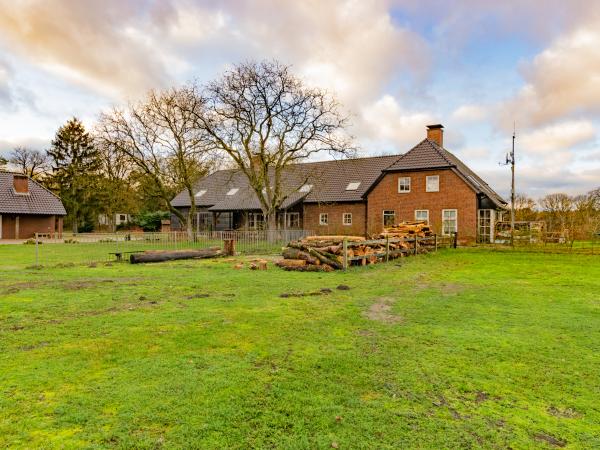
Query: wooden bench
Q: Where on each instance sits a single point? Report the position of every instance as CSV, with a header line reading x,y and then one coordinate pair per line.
x,y
119,255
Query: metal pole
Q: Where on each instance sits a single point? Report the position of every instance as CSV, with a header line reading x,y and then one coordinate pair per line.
x,y
512,192
37,257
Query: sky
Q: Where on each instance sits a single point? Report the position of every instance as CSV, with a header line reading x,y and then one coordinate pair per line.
x,y
479,67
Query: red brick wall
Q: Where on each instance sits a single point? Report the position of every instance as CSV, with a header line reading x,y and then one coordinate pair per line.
x,y
335,213
454,193
28,226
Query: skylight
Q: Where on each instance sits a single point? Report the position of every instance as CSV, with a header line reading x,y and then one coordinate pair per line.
x,y
306,188
233,191
353,186
201,193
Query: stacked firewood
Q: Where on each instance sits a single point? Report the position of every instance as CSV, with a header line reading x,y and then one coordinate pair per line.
x,y
407,230
326,253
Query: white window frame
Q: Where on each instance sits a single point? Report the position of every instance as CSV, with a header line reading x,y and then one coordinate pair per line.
x,y
345,216
401,183
288,219
432,177
389,212
324,216
255,220
420,211
455,222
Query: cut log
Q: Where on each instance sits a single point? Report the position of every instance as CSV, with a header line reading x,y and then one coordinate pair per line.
x,y
161,256
325,259
311,268
290,263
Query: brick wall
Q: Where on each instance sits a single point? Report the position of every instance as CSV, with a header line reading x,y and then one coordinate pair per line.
x,y
454,193
335,213
29,225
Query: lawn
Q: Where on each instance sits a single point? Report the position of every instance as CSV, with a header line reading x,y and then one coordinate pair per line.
x,y
463,348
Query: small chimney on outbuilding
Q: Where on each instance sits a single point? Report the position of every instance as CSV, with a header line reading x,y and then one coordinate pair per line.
x,y
436,134
20,184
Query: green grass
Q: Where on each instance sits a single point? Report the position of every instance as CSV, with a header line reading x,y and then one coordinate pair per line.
x,y
459,349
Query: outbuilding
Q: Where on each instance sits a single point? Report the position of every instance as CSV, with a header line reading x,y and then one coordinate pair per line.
x,y
26,208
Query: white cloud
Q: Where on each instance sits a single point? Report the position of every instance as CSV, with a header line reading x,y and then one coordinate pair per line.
x,y
561,81
558,137
469,113
386,121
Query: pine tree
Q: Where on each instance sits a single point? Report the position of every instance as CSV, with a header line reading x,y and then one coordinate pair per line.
x,y
75,165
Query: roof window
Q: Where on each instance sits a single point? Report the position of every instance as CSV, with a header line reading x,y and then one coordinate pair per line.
x,y
233,191
201,193
306,188
353,186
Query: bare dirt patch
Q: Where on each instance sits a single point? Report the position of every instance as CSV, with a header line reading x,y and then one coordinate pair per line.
x,y
555,442
87,283
381,311
566,413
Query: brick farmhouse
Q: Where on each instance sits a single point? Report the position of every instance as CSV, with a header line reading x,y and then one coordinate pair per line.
x,y
359,196
27,208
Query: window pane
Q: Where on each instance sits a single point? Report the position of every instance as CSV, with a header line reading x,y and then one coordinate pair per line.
x,y
389,218
432,183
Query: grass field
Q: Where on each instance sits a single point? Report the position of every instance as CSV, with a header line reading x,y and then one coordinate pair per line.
x,y
459,349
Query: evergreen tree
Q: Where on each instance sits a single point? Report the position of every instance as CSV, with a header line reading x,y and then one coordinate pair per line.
x,y
75,165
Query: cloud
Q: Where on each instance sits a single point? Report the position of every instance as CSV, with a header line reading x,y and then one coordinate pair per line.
x,y
561,81
387,122
561,136
87,42
469,113
6,94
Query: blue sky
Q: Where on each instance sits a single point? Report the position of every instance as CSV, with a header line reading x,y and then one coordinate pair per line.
x,y
475,66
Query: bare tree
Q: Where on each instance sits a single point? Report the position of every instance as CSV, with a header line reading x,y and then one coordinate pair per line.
x,y
525,208
159,137
558,209
32,163
266,119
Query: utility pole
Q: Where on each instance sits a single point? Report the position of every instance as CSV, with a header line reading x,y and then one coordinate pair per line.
x,y
511,159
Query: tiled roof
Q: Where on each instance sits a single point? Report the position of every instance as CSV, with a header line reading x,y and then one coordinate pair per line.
x,y
427,154
38,201
328,181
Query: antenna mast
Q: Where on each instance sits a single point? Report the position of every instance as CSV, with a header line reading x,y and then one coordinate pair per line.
x,y
512,189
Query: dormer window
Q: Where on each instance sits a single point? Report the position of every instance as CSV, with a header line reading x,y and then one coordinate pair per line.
x,y
353,186
233,191
306,188
201,193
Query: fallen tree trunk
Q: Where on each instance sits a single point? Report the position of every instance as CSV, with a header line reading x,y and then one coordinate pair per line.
x,y
291,263
161,256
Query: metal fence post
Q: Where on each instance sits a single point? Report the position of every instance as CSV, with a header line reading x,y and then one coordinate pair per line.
x,y
345,251
37,251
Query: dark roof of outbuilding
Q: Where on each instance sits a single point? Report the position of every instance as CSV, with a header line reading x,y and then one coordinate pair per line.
x,y
427,154
329,180
38,200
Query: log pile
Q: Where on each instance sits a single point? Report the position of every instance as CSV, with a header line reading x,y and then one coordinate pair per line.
x,y
407,230
326,253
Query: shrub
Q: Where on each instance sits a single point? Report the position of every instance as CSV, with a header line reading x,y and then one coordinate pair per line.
x,y
150,221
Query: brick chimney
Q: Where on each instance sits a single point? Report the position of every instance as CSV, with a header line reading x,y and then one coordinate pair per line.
x,y
21,184
436,134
